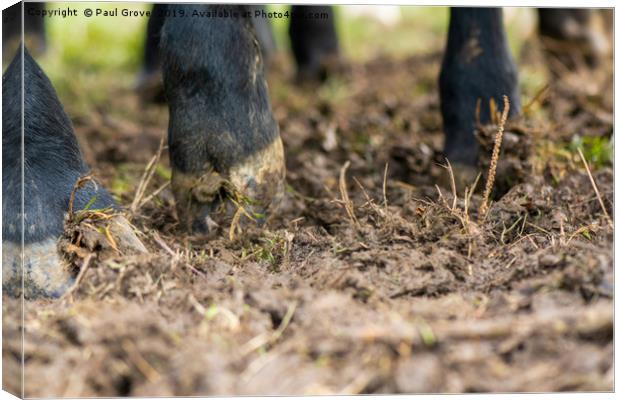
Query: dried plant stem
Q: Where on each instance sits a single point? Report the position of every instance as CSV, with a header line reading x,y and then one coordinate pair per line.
x,y
494,158
265,338
344,194
146,177
537,98
78,185
385,202
598,194
452,185
80,277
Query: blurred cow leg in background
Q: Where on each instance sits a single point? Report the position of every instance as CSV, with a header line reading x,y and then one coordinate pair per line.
x,y
149,84
34,29
314,41
572,38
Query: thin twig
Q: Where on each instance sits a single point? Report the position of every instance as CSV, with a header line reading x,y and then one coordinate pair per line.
x,y
139,361
452,185
263,339
146,178
385,202
163,244
79,184
155,193
478,102
80,277
468,194
598,194
348,204
535,99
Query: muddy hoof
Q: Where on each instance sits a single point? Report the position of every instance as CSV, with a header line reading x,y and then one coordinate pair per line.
x,y
225,148
216,201
34,209
44,274
44,269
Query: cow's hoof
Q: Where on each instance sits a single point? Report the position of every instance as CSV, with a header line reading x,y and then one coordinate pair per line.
x,y
38,271
248,192
55,183
44,270
224,143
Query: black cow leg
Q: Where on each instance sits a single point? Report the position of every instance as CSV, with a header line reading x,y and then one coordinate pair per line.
x,y
34,28
314,41
477,65
225,147
149,84
568,34
53,163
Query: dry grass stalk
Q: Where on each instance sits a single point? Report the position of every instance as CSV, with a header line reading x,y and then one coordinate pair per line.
x,y
598,194
468,193
482,211
139,361
80,277
538,97
145,179
79,184
267,339
443,199
478,102
344,194
385,202
152,195
452,185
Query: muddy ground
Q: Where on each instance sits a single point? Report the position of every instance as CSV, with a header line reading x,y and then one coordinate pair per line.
x,y
401,289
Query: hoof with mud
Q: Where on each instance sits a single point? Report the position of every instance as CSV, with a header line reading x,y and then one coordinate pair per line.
x,y
53,165
225,200
225,148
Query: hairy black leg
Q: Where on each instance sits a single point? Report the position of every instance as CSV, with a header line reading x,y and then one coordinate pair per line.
x,y
51,165
153,34
314,40
569,33
34,28
224,142
149,84
477,65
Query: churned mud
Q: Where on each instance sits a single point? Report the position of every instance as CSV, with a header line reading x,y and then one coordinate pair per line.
x,y
370,279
